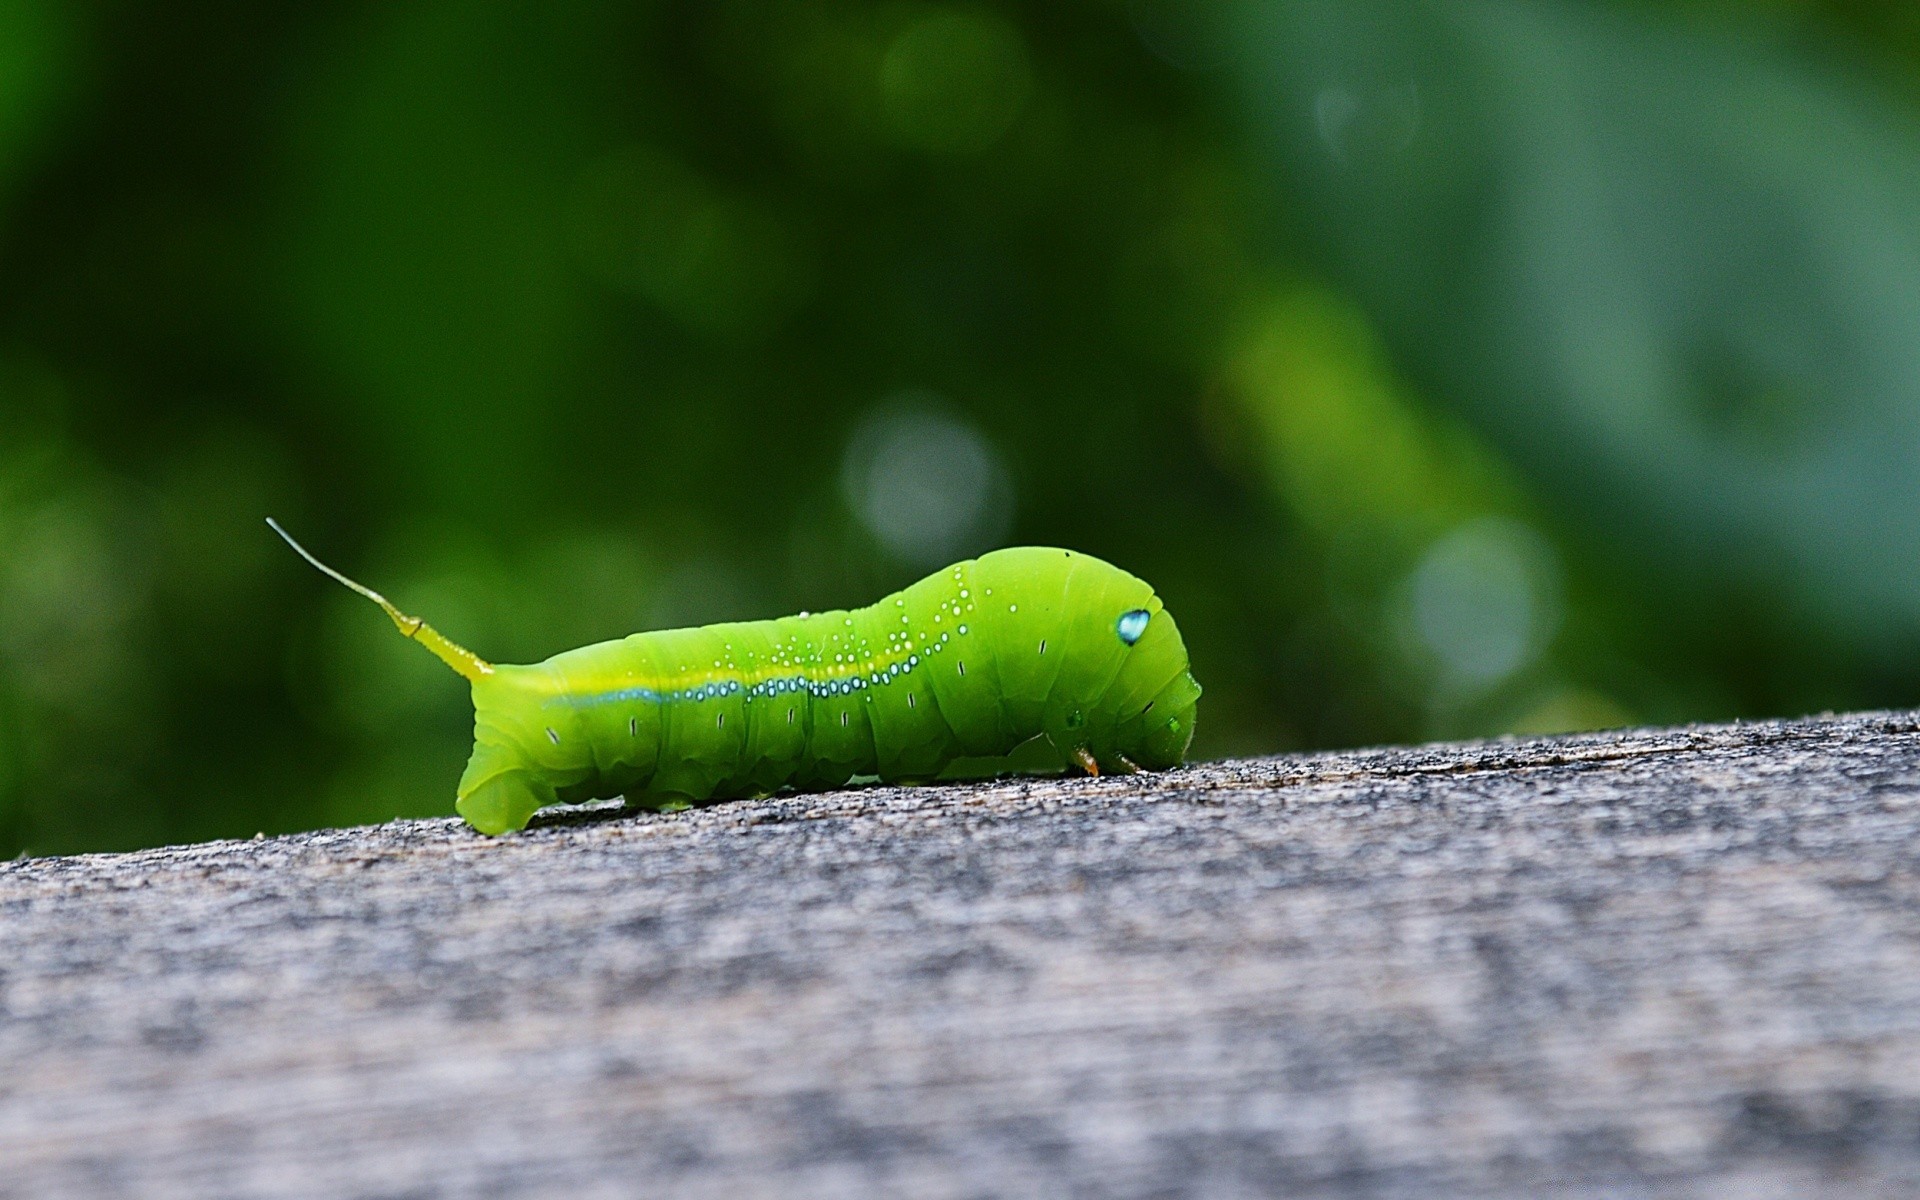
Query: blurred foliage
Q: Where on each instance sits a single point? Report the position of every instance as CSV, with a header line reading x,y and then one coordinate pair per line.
x,y
1451,368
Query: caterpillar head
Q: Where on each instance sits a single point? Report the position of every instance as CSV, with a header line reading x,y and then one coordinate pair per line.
x,y
1165,742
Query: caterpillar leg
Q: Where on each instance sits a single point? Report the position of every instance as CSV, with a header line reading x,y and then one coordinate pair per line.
x,y
503,803
661,802
1088,763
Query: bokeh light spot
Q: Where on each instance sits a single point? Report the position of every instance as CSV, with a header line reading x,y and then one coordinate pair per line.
x,y
1367,125
925,482
953,82
712,260
1484,600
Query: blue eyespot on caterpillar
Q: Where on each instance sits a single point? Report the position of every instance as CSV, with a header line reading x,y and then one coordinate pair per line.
x,y
678,717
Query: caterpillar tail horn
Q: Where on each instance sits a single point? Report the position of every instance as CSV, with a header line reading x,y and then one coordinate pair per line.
x,y
464,661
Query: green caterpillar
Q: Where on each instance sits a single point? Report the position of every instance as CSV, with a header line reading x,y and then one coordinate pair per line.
x,y
970,662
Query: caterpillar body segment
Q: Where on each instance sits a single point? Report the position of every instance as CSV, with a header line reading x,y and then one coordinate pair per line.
x,y
968,663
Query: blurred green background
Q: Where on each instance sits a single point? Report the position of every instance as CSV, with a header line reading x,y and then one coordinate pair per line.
x,y
1451,368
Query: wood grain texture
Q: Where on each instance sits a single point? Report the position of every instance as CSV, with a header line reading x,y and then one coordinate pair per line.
x,y
1654,963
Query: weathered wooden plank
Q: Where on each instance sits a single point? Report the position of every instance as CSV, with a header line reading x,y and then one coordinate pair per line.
x,y
1681,962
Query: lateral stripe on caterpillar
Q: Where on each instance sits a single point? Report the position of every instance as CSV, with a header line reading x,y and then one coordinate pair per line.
x,y
970,662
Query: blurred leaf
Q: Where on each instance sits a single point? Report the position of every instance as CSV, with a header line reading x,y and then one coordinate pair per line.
x,y
1431,553
1347,447
1672,270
